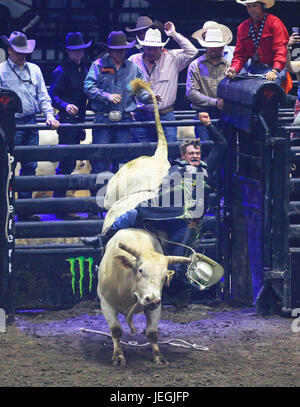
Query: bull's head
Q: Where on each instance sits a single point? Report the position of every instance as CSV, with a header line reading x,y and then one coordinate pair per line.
x,y
150,272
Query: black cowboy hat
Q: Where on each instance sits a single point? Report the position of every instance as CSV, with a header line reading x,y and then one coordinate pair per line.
x,y
75,41
117,40
142,23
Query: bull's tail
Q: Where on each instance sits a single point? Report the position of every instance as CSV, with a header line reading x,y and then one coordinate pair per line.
x,y
136,86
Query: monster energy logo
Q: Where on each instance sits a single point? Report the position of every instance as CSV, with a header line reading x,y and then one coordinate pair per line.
x,y
80,261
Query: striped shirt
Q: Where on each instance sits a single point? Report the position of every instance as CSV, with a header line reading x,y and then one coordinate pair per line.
x,y
164,76
29,85
202,81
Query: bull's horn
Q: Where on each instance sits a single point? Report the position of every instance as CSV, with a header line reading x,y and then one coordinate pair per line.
x,y
178,259
130,250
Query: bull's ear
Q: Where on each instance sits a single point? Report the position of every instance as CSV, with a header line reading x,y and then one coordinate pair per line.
x,y
169,276
123,261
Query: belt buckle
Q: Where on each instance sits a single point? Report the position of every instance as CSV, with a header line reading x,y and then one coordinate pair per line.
x,y
115,116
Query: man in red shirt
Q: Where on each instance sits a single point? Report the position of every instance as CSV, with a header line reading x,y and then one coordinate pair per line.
x,y
263,38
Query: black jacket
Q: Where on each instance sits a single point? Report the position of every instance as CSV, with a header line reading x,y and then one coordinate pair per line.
x,y
180,195
67,88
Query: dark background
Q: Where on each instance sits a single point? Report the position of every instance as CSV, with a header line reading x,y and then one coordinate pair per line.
x,y
97,18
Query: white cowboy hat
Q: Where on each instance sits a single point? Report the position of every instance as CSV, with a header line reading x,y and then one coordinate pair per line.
x,y
152,39
204,271
267,3
213,38
220,36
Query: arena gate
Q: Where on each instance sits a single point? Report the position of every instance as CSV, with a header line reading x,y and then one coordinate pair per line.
x,y
247,229
55,276
261,198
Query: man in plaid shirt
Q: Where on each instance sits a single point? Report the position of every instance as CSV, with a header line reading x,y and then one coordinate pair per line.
x,y
205,73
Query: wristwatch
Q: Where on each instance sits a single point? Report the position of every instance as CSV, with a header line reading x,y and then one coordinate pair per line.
x,y
276,69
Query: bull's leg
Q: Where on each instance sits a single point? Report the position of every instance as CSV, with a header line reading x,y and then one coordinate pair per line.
x,y
111,317
152,317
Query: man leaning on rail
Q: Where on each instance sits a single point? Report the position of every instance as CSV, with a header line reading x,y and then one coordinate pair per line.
x,y
26,79
205,73
106,85
66,91
161,67
262,38
294,67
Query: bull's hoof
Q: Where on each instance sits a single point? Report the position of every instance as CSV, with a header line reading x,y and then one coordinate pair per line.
x,y
119,360
159,360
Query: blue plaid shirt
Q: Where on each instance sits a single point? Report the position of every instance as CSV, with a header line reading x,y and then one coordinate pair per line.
x,y
104,79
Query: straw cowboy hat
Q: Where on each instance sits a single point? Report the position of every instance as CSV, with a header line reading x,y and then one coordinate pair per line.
x,y
213,34
153,39
117,40
19,42
75,41
204,271
142,23
267,3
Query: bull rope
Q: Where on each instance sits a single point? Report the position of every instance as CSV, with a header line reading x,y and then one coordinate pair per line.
x,y
173,342
194,255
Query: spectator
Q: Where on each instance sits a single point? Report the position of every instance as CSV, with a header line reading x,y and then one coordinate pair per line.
x,y
205,73
294,67
66,91
263,38
26,79
106,85
143,23
161,68
200,35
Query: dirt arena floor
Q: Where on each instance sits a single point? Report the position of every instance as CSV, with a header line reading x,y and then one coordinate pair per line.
x,y
48,349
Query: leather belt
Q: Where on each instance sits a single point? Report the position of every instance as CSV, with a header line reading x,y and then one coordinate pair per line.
x,y
107,114
161,111
166,110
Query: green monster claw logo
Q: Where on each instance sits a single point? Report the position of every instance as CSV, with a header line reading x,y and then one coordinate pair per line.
x,y
81,261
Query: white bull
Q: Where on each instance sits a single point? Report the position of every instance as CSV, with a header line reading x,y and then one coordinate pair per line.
x,y
131,276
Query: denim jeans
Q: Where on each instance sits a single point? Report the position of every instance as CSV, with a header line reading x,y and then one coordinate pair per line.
x,y
27,138
109,136
176,229
67,165
149,134
261,70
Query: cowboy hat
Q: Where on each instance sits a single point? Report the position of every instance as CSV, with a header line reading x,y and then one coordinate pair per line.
x,y
142,23
75,41
152,39
204,271
219,38
19,43
267,3
117,40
